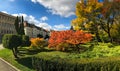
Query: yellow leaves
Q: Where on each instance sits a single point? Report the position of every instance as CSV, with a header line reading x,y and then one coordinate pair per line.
x,y
88,9
85,10
37,43
77,23
76,28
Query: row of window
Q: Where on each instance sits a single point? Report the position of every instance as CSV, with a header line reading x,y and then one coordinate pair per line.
x,y
5,18
6,26
7,32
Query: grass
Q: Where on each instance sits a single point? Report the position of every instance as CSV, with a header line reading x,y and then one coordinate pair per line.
x,y
24,63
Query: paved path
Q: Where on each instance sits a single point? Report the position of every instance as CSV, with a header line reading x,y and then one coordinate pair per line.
x,y
1,46
4,65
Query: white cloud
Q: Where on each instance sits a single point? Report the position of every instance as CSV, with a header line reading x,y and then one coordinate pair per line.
x,y
64,8
45,25
44,18
41,22
29,18
60,27
12,0
5,12
33,1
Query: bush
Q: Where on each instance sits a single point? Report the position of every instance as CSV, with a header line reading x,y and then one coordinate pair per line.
x,y
68,37
49,63
38,43
25,41
63,47
12,42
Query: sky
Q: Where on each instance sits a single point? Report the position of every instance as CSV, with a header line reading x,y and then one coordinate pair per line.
x,y
48,14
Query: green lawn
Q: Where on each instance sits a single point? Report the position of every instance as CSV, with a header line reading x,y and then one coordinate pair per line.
x,y
24,63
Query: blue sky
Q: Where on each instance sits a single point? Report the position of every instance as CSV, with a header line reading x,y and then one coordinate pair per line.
x,y
49,14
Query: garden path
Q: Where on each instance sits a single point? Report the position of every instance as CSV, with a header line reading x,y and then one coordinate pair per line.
x,y
1,46
4,65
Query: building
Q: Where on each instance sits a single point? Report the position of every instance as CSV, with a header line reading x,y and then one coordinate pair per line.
x,y
33,31
6,24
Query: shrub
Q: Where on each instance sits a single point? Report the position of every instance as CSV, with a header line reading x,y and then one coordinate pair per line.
x,y
12,42
25,40
49,63
63,46
38,43
69,37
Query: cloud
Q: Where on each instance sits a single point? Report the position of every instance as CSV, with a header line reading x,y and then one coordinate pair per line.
x,y
5,12
42,22
45,25
64,8
60,27
11,0
44,18
29,18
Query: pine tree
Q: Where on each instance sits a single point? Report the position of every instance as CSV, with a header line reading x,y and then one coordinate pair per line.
x,y
22,26
17,24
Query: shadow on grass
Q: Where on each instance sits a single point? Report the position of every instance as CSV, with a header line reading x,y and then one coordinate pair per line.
x,y
32,52
26,61
23,52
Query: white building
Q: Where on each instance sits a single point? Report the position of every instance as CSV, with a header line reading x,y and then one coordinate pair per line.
x,y
33,31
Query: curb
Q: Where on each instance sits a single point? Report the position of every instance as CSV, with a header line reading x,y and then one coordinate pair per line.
x,y
9,64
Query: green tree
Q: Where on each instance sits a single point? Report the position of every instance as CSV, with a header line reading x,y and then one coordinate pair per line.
x,y
17,24
22,27
12,42
87,12
109,12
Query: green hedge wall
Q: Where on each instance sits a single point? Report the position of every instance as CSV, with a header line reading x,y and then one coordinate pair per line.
x,y
48,63
11,41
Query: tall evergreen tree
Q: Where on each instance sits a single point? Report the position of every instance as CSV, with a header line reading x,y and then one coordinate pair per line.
x,y
22,26
17,24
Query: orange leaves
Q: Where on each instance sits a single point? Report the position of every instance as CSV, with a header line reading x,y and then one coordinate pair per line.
x,y
38,43
69,36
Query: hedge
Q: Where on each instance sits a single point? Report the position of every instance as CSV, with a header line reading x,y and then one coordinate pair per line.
x,y
49,63
25,41
11,41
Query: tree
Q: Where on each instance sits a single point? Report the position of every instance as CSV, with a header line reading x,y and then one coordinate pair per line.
x,y
69,37
110,11
17,24
22,27
12,42
97,16
87,12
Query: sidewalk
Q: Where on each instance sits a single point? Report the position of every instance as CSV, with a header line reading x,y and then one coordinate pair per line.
x,y
1,46
5,66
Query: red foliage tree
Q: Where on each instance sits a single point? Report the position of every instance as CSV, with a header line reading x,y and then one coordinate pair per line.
x,y
68,36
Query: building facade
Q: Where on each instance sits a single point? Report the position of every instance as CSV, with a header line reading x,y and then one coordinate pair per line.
x,y
6,24
33,31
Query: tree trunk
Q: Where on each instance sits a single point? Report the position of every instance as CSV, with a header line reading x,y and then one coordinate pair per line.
x,y
109,35
14,50
97,33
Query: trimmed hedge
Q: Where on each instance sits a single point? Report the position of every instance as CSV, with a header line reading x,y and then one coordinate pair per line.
x,y
49,63
25,41
11,41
